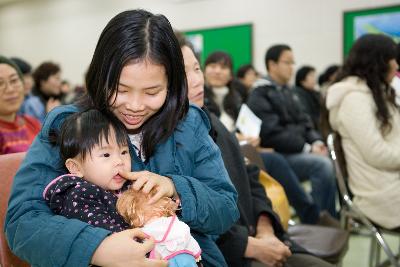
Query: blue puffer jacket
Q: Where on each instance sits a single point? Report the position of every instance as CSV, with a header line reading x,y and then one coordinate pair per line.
x,y
189,157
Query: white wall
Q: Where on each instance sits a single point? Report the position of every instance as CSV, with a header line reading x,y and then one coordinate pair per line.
x,y
66,31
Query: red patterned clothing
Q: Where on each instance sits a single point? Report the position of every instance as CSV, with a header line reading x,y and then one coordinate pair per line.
x,y
17,136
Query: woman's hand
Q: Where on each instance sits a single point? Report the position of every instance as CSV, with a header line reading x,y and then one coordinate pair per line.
x,y
267,249
122,249
319,148
253,141
146,181
265,246
52,103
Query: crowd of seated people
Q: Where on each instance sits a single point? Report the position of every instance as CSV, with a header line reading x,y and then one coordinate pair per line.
x,y
290,141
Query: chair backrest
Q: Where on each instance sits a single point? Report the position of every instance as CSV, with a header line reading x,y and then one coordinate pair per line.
x,y
337,156
252,155
9,165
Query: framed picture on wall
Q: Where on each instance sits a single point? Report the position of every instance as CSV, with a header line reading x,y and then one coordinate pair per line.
x,y
385,20
235,40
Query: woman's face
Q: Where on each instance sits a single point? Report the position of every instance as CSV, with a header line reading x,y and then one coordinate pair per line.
x,y
217,74
249,78
310,81
52,86
393,67
11,92
194,77
28,83
142,91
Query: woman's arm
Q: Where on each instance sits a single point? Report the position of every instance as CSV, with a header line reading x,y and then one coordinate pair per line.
x,y
41,238
207,195
121,250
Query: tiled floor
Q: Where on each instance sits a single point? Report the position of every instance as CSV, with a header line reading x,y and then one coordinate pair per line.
x,y
359,246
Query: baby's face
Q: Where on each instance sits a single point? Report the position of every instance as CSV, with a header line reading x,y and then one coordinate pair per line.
x,y
106,160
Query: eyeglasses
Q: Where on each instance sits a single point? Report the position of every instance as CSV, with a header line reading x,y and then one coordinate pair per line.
x,y
14,83
287,62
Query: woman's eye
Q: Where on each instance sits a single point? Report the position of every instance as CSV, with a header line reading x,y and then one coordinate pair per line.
x,y
124,152
152,93
106,155
14,81
121,91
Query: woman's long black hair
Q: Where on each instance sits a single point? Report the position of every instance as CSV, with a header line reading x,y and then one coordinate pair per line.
x,y
369,60
131,37
236,94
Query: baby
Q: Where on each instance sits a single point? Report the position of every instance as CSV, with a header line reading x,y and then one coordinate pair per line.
x,y
95,150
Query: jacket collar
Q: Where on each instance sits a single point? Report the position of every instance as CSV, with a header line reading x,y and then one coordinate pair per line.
x,y
56,117
338,91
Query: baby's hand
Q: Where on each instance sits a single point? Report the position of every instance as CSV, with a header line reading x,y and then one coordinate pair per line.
x,y
157,256
146,181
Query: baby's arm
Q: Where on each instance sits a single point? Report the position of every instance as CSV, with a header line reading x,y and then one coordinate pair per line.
x,y
75,198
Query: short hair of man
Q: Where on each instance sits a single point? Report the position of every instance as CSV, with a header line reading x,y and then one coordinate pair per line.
x,y
274,53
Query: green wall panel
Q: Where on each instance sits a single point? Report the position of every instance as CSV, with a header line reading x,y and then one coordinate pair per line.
x,y
236,40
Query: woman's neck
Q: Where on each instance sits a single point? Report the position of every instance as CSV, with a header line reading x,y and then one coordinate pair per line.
x,y
220,93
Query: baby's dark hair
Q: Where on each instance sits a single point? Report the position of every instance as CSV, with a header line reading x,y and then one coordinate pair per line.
x,y
83,130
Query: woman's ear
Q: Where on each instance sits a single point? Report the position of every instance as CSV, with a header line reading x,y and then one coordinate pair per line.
x,y
74,167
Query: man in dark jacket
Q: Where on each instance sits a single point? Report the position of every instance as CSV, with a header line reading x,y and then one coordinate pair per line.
x,y
288,130
258,235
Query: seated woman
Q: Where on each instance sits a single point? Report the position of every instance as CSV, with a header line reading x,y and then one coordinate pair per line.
x,y
46,93
310,98
222,95
326,79
16,131
247,75
363,111
137,74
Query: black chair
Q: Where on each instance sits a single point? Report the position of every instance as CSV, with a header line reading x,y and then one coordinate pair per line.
x,y
327,243
351,216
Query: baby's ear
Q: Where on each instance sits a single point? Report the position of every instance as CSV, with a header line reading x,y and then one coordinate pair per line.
x,y
74,167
